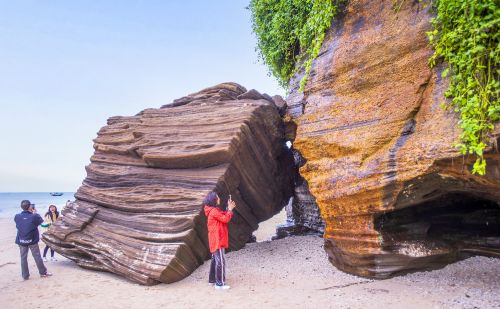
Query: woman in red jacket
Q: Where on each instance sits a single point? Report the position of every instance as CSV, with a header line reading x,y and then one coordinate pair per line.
x,y
218,237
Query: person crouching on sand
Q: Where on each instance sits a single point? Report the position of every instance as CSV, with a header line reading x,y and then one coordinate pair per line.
x,y
50,217
27,238
218,237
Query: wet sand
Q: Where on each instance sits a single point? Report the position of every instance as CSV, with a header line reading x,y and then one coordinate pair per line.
x,y
287,273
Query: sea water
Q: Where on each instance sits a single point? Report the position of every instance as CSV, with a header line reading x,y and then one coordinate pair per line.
x,y
10,203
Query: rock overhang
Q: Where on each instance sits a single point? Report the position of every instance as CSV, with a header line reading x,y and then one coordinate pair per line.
x,y
375,140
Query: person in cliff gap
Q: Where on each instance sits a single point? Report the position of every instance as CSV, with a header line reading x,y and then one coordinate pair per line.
x,y
49,219
27,238
217,222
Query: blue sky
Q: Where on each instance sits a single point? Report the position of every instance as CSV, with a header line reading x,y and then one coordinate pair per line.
x,y
67,66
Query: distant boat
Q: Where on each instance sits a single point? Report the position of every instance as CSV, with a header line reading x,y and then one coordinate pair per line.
x,y
56,193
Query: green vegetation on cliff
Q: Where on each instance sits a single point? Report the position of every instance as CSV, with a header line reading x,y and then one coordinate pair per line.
x,y
290,32
466,35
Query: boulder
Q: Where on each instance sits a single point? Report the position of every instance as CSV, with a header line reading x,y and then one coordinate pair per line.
x,y
252,94
379,151
139,211
280,104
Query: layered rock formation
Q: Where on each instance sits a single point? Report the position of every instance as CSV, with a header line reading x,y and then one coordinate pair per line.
x,y
380,161
139,211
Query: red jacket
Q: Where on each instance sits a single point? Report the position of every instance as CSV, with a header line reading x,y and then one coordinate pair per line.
x,y
217,227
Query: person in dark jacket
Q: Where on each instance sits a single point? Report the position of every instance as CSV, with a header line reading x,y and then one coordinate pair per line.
x,y
27,238
218,237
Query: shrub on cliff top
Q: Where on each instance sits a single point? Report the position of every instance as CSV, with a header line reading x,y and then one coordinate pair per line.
x,y
290,32
466,34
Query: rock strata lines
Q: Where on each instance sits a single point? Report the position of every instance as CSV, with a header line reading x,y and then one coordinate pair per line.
x,y
379,151
139,213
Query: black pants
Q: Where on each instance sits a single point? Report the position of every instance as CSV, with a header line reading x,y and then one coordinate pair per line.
x,y
218,268
46,250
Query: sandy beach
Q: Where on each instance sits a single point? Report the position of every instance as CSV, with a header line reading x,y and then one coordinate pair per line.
x,y
289,273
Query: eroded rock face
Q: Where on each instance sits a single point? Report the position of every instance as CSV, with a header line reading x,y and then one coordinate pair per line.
x,y
380,162
304,210
139,211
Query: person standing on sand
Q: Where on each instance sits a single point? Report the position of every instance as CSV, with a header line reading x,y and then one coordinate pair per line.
x,y
218,237
50,218
27,238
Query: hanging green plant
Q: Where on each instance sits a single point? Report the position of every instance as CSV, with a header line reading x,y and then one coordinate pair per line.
x,y
466,35
290,32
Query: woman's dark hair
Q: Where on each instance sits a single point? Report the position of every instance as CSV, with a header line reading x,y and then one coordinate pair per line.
x,y
50,214
211,199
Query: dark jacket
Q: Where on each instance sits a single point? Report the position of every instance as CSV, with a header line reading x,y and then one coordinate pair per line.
x,y
27,228
217,227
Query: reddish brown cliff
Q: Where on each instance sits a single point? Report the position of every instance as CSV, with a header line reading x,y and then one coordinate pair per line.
x,y
139,211
393,191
